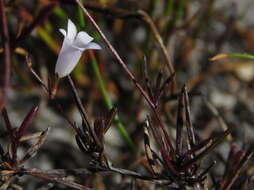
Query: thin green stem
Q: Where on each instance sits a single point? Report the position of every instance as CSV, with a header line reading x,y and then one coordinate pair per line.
x,y
101,83
180,11
169,8
81,17
241,56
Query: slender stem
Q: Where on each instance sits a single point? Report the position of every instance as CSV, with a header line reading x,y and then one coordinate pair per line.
x,y
169,8
82,110
37,173
164,130
81,17
61,173
102,86
241,56
5,78
130,75
78,101
157,36
36,76
139,14
101,83
112,49
180,11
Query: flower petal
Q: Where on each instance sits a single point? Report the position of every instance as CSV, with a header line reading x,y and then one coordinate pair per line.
x,y
72,48
71,30
67,60
62,31
82,40
93,45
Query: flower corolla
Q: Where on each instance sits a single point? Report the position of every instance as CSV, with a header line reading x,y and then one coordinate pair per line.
x,y
74,45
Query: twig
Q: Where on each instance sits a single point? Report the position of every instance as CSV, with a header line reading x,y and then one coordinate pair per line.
x,y
141,15
78,101
130,174
28,62
213,142
59,180
60,172
130,75
83,111
247,156
125,68
112,49
57,175
145,17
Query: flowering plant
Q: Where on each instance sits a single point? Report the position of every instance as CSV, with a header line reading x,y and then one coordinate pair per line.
x,y
74,45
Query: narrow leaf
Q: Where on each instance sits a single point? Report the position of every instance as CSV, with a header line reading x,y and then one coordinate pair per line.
x,y
233,178
32,150
214,143
27,121
157,84
149,153
180,124
109,118
189,126
165,154
232,55
219,56
8,124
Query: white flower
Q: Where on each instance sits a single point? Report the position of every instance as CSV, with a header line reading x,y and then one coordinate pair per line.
x,y
73,46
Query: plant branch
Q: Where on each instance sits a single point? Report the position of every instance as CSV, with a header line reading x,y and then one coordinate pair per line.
x,y
125,68
78,101
119,59
54,178
141,15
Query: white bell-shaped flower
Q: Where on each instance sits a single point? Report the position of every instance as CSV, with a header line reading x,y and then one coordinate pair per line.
x,y
73,46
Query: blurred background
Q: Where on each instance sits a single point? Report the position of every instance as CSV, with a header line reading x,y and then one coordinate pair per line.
x,y
191,33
